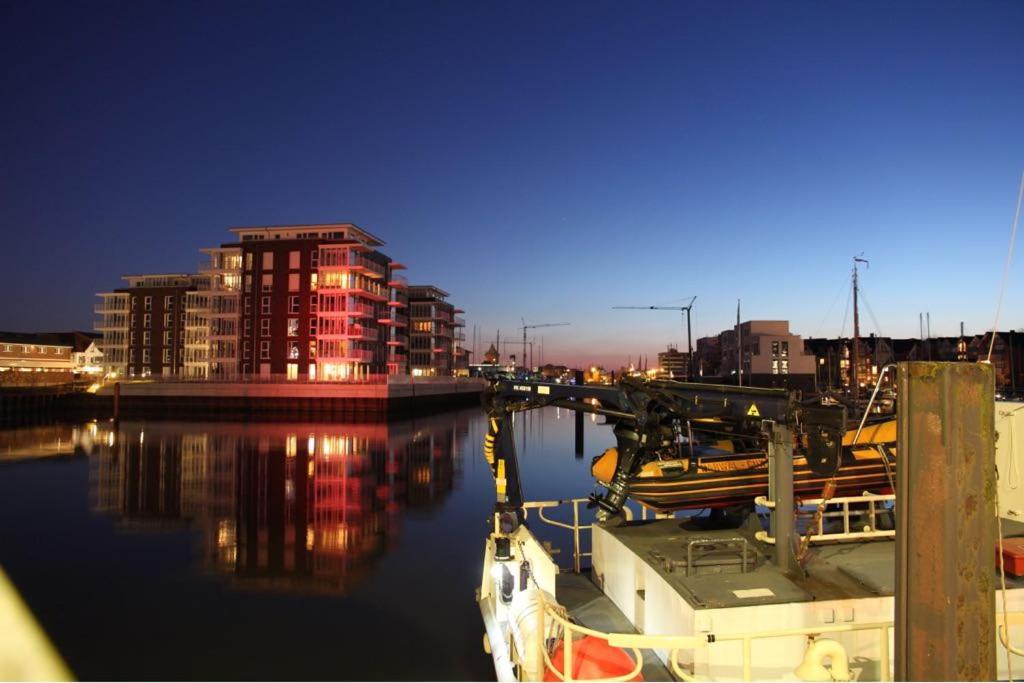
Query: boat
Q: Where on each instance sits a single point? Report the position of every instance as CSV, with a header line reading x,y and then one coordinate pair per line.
x,y
719,475
653,592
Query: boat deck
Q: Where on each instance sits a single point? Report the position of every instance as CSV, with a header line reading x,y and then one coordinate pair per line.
x,y
834,572
593,609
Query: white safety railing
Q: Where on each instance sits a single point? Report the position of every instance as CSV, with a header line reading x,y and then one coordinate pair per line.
x,y
875,506
637,643
575,527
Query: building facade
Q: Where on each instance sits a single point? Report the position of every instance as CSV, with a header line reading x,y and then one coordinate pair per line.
x,y
291,303
436,333
674,364
143,325
770,354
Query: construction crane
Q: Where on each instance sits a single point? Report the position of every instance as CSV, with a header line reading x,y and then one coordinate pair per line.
x,y
526,327
685,310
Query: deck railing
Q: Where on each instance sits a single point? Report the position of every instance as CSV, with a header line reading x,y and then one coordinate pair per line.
x,y
875,506
637,643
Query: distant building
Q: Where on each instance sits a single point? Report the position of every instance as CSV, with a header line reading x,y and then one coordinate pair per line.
x,y
435,333
46,358
771,356
302,302
674,364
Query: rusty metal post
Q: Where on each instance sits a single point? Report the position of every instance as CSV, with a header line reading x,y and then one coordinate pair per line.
x,y
945,527
782,521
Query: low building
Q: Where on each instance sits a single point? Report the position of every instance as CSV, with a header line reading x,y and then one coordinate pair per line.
x,y
45,358
833,357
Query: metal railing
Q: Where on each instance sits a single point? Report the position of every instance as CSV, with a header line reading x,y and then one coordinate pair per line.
x,y
875,506
638,642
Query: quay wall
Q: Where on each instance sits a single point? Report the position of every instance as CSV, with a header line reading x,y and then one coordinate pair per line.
x,y
270,400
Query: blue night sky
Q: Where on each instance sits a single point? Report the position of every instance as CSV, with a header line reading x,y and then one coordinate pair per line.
x,y
538,160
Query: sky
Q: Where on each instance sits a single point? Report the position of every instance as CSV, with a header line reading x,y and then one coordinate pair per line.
x,y
541,161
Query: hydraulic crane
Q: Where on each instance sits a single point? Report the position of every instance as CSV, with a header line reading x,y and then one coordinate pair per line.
x,y
685,310
526,327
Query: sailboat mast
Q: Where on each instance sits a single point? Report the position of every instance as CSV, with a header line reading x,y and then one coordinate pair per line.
x,y
855,359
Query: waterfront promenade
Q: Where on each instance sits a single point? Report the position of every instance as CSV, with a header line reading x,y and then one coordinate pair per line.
x,y
374,396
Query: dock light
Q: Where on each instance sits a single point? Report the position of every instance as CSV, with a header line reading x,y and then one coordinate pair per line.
x,y
502,549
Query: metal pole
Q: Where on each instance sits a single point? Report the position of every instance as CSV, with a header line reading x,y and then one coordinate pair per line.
x,y
945,529
689,345
855,385
117,401
579,433
780,483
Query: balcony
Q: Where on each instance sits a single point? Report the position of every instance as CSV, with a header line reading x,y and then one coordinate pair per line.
x,y
398,281
459,321
110,307
104,324
347,259
357,355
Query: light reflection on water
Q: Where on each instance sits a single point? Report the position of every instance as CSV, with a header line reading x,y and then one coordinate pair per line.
x,y
184,550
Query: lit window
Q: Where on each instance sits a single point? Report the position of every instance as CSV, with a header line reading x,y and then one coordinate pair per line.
x,y
293,350
293,327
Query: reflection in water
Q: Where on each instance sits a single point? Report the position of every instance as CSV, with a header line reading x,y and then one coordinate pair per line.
x,y
304,507
23,443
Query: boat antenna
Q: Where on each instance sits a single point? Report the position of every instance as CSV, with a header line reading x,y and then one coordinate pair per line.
x,y
1006,268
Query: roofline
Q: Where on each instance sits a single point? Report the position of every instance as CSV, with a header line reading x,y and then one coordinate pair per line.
x,y
268,228
443,293
128,277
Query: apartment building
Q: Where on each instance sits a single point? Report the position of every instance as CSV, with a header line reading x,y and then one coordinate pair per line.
x,y
319,302
300,302
143,325
674,364
771,355
436,333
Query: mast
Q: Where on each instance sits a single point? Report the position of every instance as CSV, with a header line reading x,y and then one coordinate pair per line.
x,y
855,356
739,345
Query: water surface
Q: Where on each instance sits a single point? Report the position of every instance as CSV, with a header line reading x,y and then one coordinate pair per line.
x,y
186,550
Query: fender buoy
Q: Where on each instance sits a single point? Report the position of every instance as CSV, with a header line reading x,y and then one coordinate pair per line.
x,y
593,659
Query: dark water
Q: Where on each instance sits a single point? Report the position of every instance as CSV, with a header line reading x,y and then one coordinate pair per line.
x,y
287,551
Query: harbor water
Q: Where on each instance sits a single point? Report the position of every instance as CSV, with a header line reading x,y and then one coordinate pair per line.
x,y
286,551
